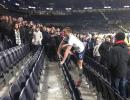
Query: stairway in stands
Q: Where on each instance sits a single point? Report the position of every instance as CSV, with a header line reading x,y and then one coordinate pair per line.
x,y
53,83
87,91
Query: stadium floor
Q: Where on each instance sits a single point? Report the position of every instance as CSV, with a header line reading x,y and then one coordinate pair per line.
x,y
53,82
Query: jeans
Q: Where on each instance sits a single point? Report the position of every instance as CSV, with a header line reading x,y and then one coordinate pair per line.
x,y
119,84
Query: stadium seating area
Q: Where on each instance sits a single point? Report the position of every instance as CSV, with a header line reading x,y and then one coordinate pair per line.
x,y
9,60
26,85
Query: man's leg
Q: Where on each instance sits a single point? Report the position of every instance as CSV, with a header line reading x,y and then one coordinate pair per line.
x,y
122,87
115,83
80,57
80,72
80,65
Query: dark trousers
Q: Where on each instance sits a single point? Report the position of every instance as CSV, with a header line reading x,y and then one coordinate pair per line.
x,y
35,48
119,84
97,58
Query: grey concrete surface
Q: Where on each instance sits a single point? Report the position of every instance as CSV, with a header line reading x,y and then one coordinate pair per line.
x,y
53,84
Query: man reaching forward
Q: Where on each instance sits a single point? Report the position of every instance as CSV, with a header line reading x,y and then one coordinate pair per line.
x,y
78,46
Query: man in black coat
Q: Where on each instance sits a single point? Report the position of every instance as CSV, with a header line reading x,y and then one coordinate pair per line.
x,y
104,50
118,63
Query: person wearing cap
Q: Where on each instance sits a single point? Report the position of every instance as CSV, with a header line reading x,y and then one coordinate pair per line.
x,y
118,64
78,46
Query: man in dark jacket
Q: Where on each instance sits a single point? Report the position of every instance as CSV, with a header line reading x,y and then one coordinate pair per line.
x,y
118,63
104,50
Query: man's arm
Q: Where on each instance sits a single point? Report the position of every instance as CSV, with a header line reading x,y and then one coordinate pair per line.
x,y
64,45
67,51
59,48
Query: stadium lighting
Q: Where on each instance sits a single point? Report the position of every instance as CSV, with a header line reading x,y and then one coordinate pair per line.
x,y
49,8
17,4
107,7
31,7
127,6
68,8
87,8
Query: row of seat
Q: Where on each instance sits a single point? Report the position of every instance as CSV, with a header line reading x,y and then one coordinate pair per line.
x,y
25,86
102,86
100,69
75,93
10,58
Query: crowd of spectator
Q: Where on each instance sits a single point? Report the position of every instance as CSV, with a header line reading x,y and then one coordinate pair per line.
x,y
111,51
17,31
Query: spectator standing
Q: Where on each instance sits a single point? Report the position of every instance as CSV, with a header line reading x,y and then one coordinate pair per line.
x,y
96,53
17,34
104,50
37,38
118,63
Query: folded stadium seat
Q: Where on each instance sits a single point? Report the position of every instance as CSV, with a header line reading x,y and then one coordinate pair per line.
x,y
4,71
31,64
23,95
3,65
111,93
37,69
33,84
29,91
10,54
20,52
6,98
26,72
7,60
73,89
18,55
103,87
106,74
98,85
77,94
94,79
35,77
21,81
14,91
15,54
13,61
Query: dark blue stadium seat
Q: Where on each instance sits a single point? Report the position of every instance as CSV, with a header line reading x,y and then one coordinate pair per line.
x,y
7,60
35,77
23,95
14,91
29,91
21,81
32,83
3,65
26,72
6,98
15,55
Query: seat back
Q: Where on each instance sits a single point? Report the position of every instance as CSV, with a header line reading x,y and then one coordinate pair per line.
x,y
21,81
32,83
23,95
29,91
6,98
14,91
